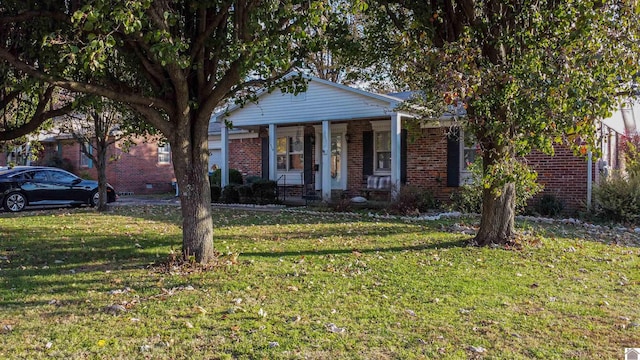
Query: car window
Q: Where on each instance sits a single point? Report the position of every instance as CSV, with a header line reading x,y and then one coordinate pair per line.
x,y
60,176
39,176
27,175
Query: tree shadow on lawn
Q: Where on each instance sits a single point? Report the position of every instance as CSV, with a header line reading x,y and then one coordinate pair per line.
x,y
427,246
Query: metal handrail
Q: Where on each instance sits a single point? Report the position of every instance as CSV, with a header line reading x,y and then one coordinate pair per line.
x,y
284,191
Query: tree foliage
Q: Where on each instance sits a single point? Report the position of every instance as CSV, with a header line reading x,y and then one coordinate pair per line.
x,y
173,62
529,74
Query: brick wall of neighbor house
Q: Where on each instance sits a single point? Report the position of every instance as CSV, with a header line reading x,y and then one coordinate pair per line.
x,y
564,176
136,171
245,155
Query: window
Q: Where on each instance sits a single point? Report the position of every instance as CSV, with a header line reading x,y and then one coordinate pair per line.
x,y
382,146
290,151
85,161
468,153
61,176
164,153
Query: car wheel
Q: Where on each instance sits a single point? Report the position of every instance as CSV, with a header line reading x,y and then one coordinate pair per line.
x,y
15,202
95,198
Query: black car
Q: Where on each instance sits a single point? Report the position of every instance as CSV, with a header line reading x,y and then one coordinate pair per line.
x,y
23,186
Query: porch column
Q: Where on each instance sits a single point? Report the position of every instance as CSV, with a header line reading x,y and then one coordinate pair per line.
x,y
396,136
224,153
273,162
326,161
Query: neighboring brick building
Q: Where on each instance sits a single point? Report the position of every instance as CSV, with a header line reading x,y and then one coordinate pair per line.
x,y
145,169
283,140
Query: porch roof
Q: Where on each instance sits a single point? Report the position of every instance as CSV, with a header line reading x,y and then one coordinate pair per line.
x,y
323,100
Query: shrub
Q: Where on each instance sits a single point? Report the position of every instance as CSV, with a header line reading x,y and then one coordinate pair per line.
x,y
215,193
252,179
413,200
235,177
245,193
342,205
264,191
549,205
617,198
230,194
469,198
57,161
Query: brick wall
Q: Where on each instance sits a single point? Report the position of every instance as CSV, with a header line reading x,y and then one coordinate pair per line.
x,y
136,171
564,175
245,155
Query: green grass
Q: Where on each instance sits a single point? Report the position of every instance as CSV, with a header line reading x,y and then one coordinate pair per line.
x,y
398,290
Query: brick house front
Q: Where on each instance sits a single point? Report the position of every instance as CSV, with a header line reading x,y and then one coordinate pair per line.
x,y
332,139
146,168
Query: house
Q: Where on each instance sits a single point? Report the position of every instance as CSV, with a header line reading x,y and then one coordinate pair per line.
x,y
146,168
334,140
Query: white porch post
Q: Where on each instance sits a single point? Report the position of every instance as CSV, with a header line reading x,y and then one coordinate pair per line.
x,y
396,132
224,153
326,161
273,164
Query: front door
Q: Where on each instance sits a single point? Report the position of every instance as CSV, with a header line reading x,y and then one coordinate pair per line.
x,y
336,161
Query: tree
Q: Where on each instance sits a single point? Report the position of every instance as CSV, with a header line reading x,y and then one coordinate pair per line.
x,y
529,73
98,124
173,62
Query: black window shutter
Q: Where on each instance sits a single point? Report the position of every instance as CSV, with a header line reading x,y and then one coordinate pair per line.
x,y
308,163
367,153
265,158
453,158
403,156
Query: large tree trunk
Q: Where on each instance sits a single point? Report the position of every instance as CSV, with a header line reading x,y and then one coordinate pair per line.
x,y
498,213
190,163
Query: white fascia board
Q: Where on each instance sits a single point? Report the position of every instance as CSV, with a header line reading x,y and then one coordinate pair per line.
x,y
215,141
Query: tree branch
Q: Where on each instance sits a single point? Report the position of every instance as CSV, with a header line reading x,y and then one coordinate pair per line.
x,y
125,97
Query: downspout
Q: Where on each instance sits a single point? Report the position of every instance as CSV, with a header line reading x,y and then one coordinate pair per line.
x,y
589,179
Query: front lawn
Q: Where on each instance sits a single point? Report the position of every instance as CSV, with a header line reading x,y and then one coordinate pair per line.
x,y
77,284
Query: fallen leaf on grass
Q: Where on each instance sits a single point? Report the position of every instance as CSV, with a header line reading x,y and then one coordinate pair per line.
x,y
335,329
477,349
115,309
199,309
410,312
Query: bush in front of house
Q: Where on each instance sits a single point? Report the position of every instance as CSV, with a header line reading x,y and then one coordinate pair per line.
x,y
549,205
469,198
235,177
230,194
215,193
412,200
252,179
245,193
617,198
264,191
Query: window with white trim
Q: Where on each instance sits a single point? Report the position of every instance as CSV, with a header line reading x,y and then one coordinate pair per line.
x,y
164,153
468,153
382,151
381,146
85,161
290,151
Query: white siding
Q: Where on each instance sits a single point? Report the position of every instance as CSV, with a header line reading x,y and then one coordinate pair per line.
x,y
320,102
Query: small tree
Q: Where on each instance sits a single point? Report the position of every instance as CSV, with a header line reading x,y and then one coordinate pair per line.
x,y
102,124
